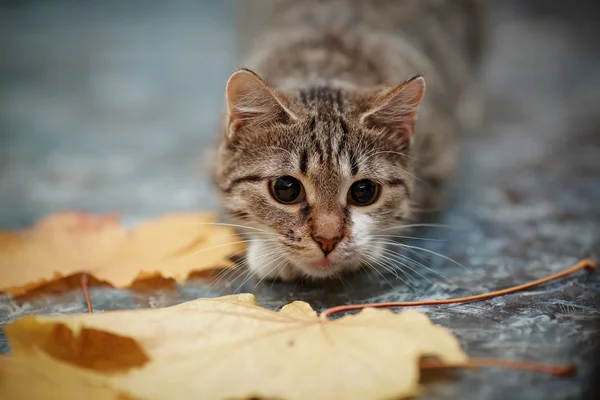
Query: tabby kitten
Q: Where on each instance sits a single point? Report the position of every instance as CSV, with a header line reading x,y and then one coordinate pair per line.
x,y
321,148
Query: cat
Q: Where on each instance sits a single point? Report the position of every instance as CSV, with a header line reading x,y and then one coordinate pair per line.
x,y
328,138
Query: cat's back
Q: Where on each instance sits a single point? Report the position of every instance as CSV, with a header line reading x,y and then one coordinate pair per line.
x,y
449,32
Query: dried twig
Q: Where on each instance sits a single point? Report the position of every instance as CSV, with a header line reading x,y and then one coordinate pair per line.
x,y
566,370
584,264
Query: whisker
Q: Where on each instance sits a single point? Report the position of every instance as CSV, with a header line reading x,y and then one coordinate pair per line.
x,y
253,233
376,270
227,273
432,252
228,244
276,278
364,271
411,265
263,257
272,269
238,265
409,238
395,243
391,269
406,265
394,262
408,259
277,260
417,226
390,242
340,278
297,282
231,225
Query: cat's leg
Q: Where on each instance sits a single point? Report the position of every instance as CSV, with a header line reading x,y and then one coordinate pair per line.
x,y
267,262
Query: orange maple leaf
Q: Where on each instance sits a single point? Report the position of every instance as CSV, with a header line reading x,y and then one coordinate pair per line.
x,y
66,244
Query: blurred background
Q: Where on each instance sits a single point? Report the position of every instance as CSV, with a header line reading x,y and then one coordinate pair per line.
x,y
109,105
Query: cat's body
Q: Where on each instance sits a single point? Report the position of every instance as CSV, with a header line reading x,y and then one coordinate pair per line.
x,y
328,112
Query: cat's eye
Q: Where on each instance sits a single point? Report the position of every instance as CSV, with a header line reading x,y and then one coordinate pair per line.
x,y
363,192
287,190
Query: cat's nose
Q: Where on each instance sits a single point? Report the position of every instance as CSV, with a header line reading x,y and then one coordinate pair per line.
x,y
327,245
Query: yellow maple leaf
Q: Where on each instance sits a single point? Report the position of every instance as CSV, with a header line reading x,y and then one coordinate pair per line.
x,y
66,244
230,347
40,377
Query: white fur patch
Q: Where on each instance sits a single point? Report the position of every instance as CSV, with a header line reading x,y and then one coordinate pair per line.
x,y
267,261
362,226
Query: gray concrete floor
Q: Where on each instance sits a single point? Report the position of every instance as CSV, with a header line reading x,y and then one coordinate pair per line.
x,y
107,106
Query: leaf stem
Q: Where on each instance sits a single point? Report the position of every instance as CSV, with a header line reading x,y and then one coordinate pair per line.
x,y
565,370
584,264
86,293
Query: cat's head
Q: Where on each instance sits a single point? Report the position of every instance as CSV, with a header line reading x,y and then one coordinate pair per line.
x,y
321,169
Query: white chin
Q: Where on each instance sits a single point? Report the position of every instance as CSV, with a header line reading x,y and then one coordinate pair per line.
x,y
266,263
334,270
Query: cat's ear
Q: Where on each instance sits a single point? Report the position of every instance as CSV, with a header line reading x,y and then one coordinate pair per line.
x,y
252,103
394,112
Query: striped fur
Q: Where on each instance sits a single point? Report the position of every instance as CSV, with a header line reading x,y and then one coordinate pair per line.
x,y
332,95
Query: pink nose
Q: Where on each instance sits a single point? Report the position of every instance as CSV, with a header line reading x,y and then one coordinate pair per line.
x,y
327,245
